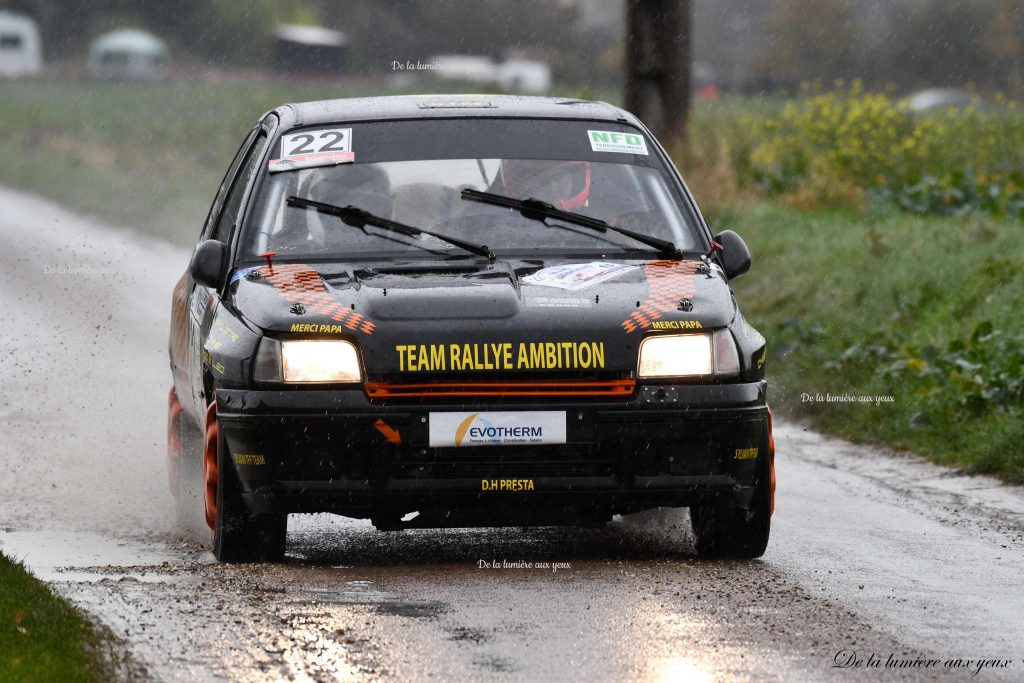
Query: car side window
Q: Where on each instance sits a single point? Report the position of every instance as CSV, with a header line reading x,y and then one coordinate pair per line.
x,y
222,189
233,201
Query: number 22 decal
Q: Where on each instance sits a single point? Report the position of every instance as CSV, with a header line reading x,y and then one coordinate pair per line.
x,y
315,141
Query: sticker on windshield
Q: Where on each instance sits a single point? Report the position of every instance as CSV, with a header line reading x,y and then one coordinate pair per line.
x,y
575,276
326,147
558,302
612,141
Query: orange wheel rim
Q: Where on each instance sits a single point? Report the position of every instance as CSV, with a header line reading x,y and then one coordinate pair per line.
x,y
210,466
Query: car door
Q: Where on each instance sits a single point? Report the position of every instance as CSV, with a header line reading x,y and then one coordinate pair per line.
x,y
202,301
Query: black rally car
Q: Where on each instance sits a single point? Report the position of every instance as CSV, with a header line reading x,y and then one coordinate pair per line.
x,y
463,311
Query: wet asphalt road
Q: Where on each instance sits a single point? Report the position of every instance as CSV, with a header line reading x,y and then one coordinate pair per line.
x,y
872,553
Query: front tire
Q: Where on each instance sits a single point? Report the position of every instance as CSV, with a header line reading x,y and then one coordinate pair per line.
x,y
734,531
238,534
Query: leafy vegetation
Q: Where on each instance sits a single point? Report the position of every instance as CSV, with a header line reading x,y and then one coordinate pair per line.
x,y
850,148
838,145
880,304
43,638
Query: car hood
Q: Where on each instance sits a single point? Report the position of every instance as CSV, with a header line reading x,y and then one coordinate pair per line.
x,y
516,318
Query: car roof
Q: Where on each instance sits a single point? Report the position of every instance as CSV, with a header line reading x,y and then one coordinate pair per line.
x,y
448,106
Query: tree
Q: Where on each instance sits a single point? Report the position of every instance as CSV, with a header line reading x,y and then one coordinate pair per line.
x,y
1008,42
809,40
658,65
941,43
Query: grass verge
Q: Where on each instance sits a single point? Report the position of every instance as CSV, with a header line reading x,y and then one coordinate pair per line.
x,y
42,637
925,310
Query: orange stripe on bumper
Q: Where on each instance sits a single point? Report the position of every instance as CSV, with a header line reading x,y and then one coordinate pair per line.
x,y
617,387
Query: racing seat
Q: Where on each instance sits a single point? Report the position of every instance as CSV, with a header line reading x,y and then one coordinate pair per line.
x,y
424,204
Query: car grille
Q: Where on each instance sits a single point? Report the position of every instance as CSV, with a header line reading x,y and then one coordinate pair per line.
x,y
488,462
620,388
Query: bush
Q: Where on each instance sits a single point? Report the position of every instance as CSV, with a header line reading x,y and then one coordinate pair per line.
x,y
847,148
977,375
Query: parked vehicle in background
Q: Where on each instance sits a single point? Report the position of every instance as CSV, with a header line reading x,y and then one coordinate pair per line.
x,y
937,99
21,52
524,76
128,54
309,48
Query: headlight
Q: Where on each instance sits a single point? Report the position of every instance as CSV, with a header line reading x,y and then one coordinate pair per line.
x,y
307,361
688,355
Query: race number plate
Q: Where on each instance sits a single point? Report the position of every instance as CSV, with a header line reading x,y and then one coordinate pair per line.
x,y
325,147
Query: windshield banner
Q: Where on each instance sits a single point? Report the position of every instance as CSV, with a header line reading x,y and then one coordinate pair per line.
x,y
575,276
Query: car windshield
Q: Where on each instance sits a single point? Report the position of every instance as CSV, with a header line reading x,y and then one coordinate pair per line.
x,y
413,172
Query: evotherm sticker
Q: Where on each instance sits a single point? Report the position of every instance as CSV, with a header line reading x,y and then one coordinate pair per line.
x,y
612,141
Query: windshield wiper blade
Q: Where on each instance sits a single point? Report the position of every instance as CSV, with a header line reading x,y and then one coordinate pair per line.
x,y
538,210
359,218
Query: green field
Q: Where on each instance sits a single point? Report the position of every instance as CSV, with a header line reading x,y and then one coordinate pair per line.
x,y
145,155
857,301
43,638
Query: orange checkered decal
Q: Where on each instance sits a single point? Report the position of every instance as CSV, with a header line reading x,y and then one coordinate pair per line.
x,y
299,284
667,283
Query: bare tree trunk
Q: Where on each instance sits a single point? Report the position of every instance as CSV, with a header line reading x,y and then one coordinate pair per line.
x,y
1006,38
1017,60
658,65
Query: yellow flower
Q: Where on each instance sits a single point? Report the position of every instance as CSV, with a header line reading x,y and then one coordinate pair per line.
x,y
916,364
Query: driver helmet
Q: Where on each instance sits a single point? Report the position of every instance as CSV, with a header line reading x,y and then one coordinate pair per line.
x,y
566,184
366,187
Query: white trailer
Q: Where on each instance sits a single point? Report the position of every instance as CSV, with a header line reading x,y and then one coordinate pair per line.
x,y
21,52
129,54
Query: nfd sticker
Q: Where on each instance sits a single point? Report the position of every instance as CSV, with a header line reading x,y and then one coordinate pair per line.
x,y
613,141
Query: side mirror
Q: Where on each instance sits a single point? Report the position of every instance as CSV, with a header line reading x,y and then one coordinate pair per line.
x,y
208,263
735,255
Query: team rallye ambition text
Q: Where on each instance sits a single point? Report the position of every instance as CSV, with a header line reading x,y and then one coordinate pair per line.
x,y
502,356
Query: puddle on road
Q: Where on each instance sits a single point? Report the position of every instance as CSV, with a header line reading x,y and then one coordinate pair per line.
x,y
84,557
105,575
353,593
364,593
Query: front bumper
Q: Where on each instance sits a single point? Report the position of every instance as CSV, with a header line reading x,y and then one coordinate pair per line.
x,y
325,451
